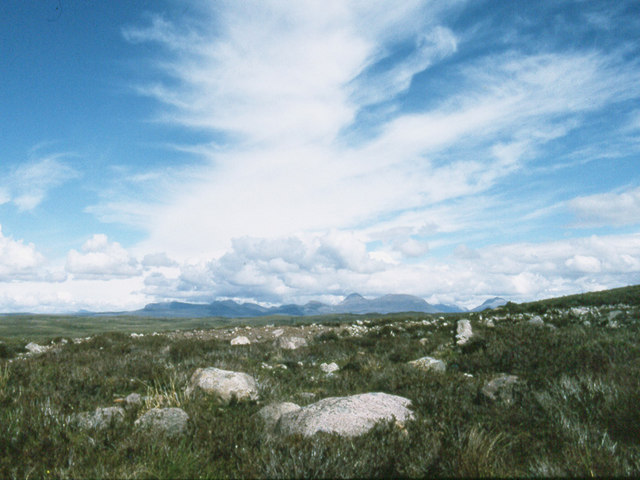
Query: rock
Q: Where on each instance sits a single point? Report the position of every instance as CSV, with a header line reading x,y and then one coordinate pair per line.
x,y
272,413
165,421
133,399
346,416
99,420
429,363
329,368
278,332
35,348
424,341
463,331
537,321
224,385
614,314
290,343
241,340
502,388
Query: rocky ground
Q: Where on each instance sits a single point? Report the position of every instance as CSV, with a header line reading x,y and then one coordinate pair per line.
x,y
550,391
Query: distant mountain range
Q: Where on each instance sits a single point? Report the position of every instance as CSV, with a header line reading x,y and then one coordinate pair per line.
x,y
490,304
354,303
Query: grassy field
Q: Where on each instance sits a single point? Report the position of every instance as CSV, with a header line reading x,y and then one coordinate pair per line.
x,y
576,413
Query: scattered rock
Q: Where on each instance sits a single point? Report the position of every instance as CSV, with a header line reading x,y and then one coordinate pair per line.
x,y
166,421
537,321
278,332
502,388
424,341
329,368
133,399
429,363
272,413
241,340
34,348
290,343
463,332
347,416
614,314
224,385
99,420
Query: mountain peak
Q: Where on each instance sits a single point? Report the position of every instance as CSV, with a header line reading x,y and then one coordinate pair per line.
x,y
354,296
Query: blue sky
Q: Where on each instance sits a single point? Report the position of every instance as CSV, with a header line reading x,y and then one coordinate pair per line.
x,y
277,151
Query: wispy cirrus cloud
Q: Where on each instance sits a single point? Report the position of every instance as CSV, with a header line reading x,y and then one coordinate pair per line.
x,y
27,185
291,96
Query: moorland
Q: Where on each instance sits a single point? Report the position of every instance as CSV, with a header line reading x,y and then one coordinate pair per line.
x,y
573,410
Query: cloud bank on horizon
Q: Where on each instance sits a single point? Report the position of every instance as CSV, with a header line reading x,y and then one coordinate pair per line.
x,y
279,152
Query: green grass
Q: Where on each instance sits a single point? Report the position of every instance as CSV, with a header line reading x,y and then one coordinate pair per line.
x,y
576,413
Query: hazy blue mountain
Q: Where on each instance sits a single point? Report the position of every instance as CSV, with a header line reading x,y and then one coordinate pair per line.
x,y
354,303
491,303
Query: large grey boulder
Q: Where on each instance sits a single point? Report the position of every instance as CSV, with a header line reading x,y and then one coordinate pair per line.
x,y
463,331
346,416
502,389
170,422
101,419
224,385
272,413
429,363
290,343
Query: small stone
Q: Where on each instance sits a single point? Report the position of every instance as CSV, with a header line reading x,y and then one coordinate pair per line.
x,y
329,368
429,363
101,419
133,399
35,348
225,385
240,340
167,421
278,332
536,321
290,343
272,413
501,388
614,314
463,332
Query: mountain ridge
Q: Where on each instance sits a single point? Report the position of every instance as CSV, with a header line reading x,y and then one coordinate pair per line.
x,y
353,303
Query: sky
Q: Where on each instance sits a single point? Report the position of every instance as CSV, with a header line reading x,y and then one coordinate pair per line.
x,y
285,151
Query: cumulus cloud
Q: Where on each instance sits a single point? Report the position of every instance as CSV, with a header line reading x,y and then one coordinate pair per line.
x,y
18,260
102,259
299,269
611,208
157,260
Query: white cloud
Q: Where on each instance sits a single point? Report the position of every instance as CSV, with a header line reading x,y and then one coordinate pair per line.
x,y
27,185
18,260
284,85
611,208
157,260
101,259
